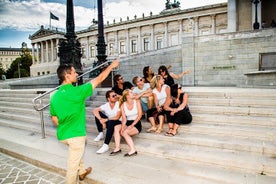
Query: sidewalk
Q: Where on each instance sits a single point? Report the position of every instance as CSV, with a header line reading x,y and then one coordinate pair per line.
x,y
13,170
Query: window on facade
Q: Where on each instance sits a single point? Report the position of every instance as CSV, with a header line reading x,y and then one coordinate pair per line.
x,y
43,73
174,40
146,44
48,72
159,43
38,73
83,52
111,48
133,46
267,61
122,47
92,51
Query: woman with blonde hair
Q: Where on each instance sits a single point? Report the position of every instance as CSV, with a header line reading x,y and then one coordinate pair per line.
x,y
131,114
160,92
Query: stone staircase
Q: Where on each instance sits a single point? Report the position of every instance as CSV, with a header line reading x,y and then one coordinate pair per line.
x,y
232,139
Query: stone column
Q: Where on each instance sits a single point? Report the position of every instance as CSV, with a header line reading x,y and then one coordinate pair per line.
x,y
195,26
56,50
139,46
116,44
152,37
180,31
213,17
52,50
42,52
47,51
37,53
232,16
127,42
166,34
88,55
33,54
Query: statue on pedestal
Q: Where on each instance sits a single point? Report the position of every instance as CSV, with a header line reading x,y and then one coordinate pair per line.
x,y
175,4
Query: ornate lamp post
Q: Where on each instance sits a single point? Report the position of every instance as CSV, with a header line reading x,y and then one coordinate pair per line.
x,y
101,46
69,49
256,24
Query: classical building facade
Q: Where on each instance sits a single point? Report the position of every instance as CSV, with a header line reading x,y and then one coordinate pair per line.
x,y
132,36
8,55
178,37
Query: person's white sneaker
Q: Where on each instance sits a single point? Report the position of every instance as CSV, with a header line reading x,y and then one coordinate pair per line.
x,y
99,137
103,149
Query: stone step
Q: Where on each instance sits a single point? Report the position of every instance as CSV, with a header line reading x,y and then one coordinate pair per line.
x,y
187,139
230,92
244,111
236,131
215,127
151,169
231,102
231,132
261,121
219,129
27,105
16,99
191,135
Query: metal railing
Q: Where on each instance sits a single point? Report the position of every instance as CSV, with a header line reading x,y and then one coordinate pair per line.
x,y
38,101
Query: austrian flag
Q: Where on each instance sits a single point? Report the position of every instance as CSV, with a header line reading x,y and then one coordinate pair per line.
x,y
52,16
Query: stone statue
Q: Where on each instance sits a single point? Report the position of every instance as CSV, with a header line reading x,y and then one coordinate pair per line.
x,y
169,5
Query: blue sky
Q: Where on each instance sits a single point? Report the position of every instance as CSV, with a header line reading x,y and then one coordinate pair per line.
x,y
21,18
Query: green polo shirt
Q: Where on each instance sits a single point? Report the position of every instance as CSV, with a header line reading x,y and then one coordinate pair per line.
x,y
68,104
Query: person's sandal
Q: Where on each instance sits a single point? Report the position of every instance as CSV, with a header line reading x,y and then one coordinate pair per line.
x,y
152,129
168,132
158,131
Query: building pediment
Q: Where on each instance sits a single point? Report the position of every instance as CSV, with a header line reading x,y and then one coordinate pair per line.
x,y
42,32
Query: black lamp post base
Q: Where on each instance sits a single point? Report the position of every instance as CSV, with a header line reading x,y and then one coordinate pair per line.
x,y
256,25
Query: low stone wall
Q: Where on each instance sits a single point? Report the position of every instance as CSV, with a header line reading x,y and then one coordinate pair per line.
x,y
223,59
45,81
261,79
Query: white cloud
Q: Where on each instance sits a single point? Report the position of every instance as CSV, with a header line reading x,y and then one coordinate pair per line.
x,y
29,15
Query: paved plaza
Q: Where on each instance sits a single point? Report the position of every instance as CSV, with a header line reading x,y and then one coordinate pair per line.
x,y
16,171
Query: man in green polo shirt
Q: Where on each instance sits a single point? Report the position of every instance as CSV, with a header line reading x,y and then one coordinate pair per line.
x,y
67,108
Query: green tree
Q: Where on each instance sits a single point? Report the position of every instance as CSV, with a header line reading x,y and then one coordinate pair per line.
x,y
2,71
20,67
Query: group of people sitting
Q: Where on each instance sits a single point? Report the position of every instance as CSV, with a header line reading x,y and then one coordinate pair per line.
x,y
154,96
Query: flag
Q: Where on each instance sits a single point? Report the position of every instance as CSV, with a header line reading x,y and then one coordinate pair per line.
x,y
52,16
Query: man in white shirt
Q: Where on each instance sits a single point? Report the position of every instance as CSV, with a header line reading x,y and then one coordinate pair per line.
x,y
108,116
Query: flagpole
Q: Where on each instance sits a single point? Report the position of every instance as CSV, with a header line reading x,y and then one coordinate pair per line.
x,y
50,21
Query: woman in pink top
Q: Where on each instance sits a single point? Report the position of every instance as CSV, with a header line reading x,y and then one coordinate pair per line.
x,y
131,114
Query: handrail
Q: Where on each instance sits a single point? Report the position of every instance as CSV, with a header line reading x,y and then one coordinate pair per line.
x,y
50,91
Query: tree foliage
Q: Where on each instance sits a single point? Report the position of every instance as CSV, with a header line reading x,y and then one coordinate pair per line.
x,y
20,67
2,71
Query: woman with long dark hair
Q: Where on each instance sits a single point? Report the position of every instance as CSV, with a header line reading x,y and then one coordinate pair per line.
x,y
177,109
